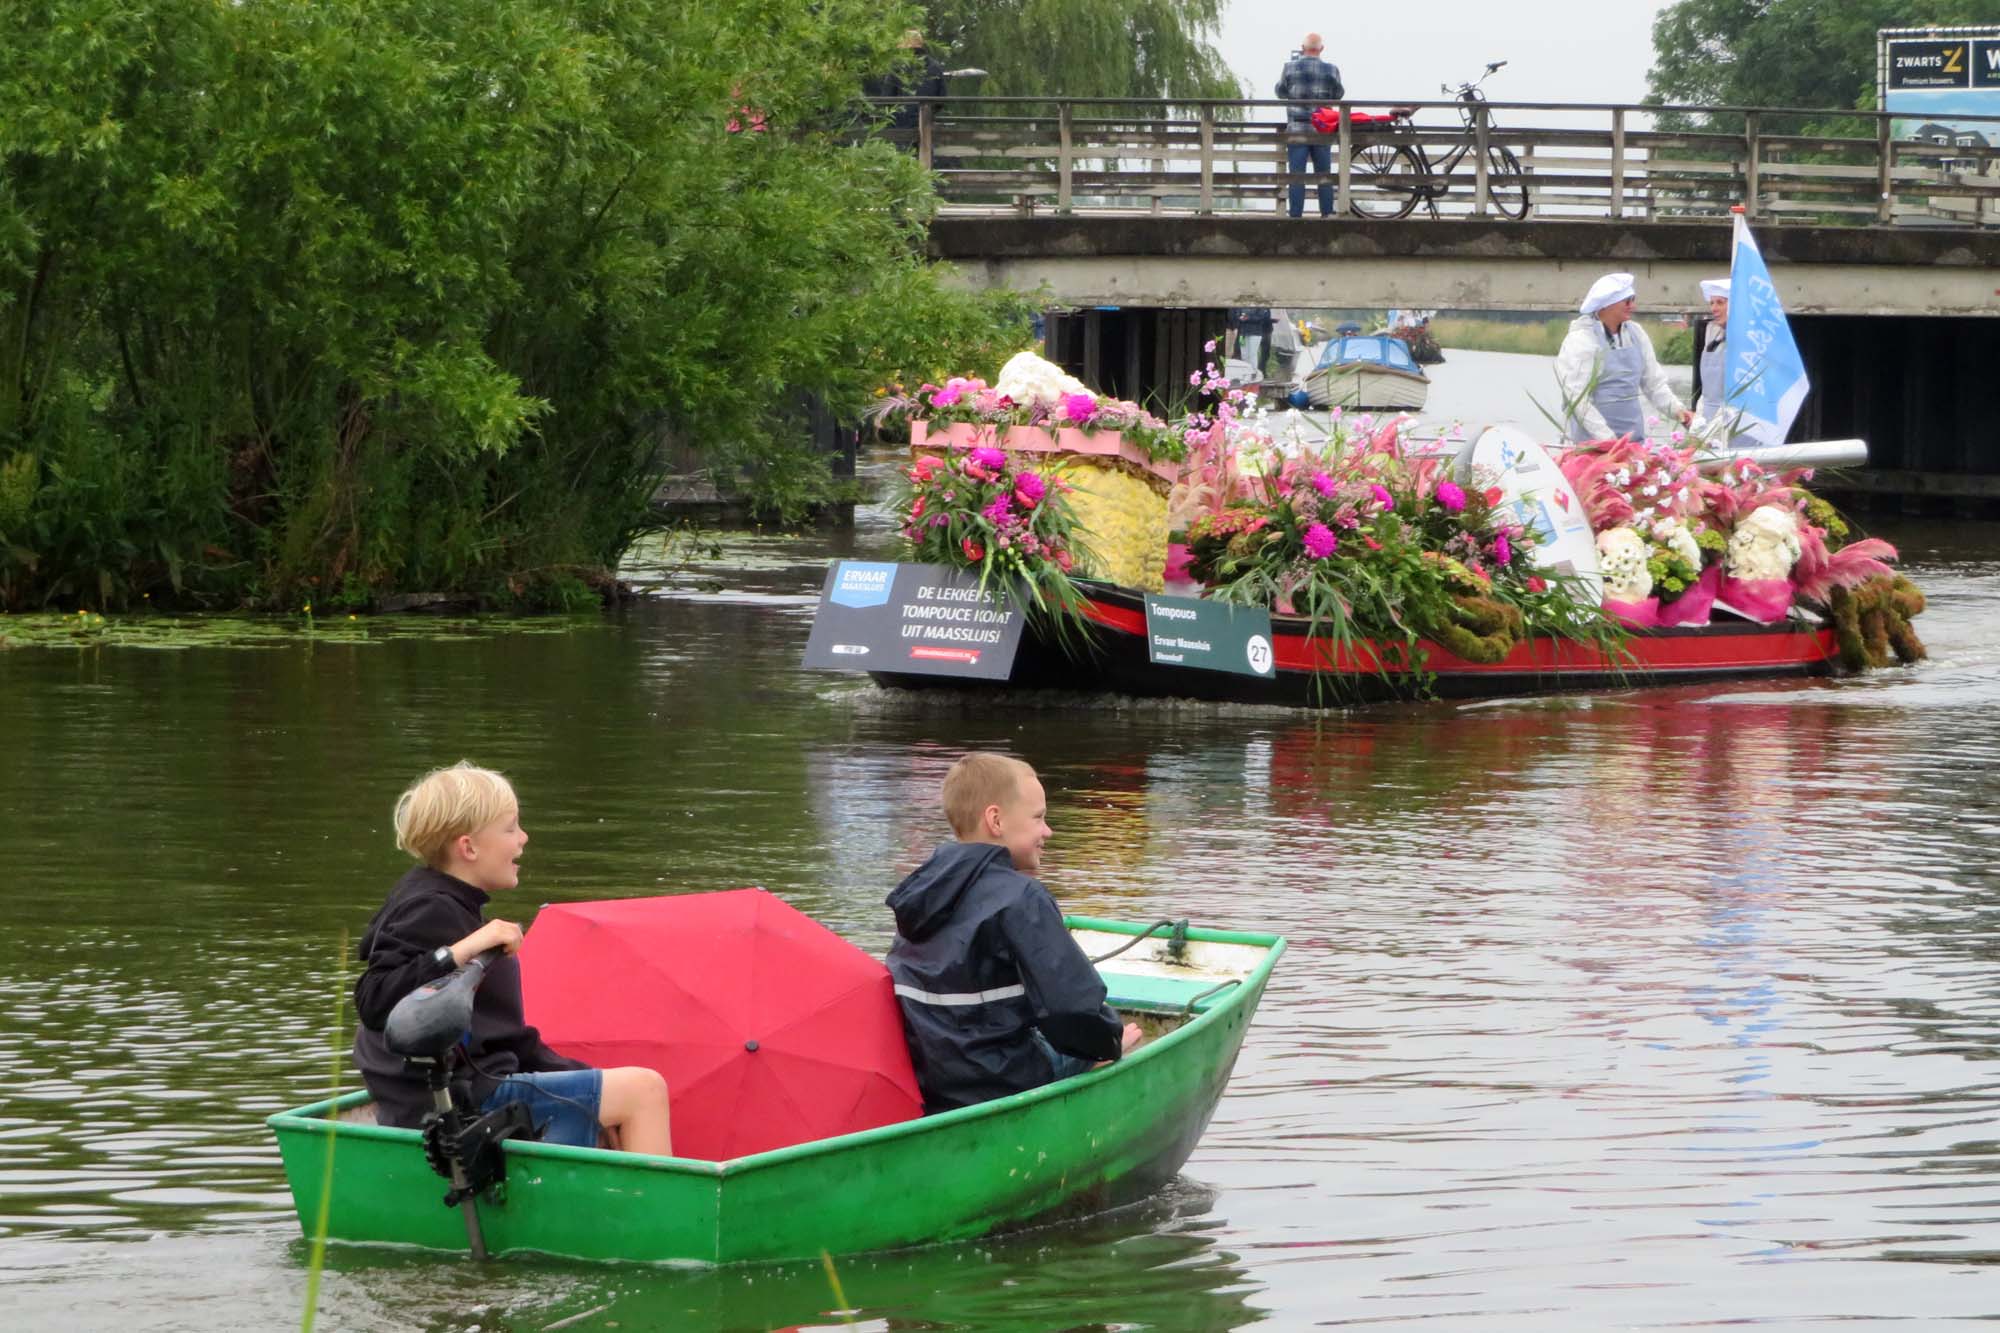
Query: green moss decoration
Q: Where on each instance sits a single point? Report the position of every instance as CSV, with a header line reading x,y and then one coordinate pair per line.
x,y
1872,623
1481,629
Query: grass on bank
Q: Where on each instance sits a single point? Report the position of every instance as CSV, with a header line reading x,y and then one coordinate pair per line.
x,y
1674,346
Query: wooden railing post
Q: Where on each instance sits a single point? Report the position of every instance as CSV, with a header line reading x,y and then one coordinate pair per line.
x,y
1481,129
926,133
1207,158
1885,178
1752,151
1618,163
1344,180
1063,169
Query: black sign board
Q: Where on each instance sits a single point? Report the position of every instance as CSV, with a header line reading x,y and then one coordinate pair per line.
x,y
919,620
1986,71
1930,62
1215,636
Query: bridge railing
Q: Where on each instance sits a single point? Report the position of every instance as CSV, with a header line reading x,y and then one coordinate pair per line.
x,y
1491,159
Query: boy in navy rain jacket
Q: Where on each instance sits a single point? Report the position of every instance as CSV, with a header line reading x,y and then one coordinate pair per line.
x,y
996,996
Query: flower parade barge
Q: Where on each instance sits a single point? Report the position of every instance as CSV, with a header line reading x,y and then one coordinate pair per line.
x,y
1112,657
1200,559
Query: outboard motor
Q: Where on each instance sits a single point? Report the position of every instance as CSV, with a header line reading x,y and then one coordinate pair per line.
x,y
425,1028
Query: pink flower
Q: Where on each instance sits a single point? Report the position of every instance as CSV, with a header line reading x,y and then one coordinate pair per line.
x,y
1537,584
1320,541
926,465
947,396
973,550
1451,496
1503,550
1322,483
1000,510
1382,496
917,509
1079,407
1029,488
988,457
1063,561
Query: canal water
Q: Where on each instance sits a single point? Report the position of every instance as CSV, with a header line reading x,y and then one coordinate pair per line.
x,y
1650,1009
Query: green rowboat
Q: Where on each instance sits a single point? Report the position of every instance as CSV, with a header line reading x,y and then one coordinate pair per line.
x,y
1071,1148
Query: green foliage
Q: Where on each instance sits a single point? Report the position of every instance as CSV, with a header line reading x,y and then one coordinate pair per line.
x,y
1785,53
373,295
1677,348
1142,49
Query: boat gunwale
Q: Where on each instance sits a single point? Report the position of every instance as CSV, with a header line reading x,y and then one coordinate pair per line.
x,y
313,1118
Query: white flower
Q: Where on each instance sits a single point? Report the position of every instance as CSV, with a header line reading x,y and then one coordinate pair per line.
x,y
1765,545
1621,561
1027,378
1673,534
1649,490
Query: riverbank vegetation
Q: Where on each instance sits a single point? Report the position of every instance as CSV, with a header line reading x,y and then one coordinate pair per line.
x,y
318,300
1674,345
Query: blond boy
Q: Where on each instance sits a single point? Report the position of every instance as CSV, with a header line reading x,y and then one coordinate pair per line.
x,y
463,825
996,996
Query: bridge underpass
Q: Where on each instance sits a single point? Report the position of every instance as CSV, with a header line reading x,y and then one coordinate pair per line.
x,y
1899,327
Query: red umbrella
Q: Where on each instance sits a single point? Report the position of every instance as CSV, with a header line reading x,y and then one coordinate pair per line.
x,y
769,1028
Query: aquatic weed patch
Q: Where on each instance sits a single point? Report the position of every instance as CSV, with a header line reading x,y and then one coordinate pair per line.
x,y
88,629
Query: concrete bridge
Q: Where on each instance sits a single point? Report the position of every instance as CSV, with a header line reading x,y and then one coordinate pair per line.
x,y
1101,259
1887,250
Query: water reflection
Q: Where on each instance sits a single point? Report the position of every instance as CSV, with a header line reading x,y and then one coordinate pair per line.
x,y
1646,1009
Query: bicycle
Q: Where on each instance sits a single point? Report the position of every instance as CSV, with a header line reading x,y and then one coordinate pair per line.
x,y
1406,174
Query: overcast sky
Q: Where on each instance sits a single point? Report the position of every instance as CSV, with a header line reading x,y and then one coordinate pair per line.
x,y
1557,50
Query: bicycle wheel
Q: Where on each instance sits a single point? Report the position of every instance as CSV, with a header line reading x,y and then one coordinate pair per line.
x,y
1506,183
1384,181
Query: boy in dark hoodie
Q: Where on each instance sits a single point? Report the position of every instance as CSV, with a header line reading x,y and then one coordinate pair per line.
x,y
464,824
996,996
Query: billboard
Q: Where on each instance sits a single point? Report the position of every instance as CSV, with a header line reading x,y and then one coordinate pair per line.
x,y
1931,79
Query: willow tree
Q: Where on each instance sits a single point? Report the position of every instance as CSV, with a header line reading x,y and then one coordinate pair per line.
x,y
1141,49
325,298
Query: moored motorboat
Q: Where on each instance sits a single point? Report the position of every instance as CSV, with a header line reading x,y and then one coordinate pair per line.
x,y
1374,371
1086,1143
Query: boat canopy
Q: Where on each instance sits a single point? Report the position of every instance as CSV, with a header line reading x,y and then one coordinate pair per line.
x,y
1372,348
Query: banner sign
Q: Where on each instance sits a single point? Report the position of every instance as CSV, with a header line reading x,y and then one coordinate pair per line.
x,y
1214,636
1763,376
918,620
1929,79
1930,64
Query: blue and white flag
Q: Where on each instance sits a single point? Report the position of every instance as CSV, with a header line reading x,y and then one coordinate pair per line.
x,y
1766,381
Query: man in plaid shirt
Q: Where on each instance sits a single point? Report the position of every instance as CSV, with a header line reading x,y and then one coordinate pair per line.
x,y
1308,82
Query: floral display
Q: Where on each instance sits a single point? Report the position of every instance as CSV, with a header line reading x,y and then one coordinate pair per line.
x,y
987,510
1384,552
1755,540
1765,545
1622,558
1035,392
1390,554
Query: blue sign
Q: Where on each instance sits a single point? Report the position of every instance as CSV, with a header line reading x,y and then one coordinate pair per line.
x,y
1764,377
859,583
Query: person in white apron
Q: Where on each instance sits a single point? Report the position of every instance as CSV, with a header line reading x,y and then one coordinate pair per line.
x,y
1708,404
1607,369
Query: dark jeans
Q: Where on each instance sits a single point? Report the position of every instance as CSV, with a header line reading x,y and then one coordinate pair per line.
x,y
1064,1065
1321,155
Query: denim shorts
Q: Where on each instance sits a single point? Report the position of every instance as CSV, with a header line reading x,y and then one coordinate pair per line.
x,y
1064,1066
564,1102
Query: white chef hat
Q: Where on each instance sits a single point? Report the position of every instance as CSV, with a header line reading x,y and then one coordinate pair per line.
x,y
1608,290
1714,287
